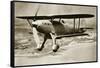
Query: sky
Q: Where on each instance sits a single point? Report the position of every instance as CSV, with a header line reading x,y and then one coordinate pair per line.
x,y
29,9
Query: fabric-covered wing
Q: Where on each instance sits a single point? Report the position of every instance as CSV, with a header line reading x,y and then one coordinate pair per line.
x,y
72,35
57,16
73,16
34,17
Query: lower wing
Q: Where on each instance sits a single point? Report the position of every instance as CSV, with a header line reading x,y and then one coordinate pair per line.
x,y
72,35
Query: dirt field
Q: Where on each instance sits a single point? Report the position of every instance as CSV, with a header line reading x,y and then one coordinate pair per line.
x,y
72,49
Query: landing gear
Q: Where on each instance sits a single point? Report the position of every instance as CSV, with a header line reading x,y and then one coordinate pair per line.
x,y
55,47
39,48
37,40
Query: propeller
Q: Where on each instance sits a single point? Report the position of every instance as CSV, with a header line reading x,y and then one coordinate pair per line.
x,y
36,13
36,37
35,32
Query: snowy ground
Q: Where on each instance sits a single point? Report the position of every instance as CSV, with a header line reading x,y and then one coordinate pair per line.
x,y
73,49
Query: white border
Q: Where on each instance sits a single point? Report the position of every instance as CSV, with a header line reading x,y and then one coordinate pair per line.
x,y
5,33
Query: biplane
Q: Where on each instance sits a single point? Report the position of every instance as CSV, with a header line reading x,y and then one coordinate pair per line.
x,y
53,29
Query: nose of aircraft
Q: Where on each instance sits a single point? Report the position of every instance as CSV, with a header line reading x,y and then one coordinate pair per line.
x,y
34,24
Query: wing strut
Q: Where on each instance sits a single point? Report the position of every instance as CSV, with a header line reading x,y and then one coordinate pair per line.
x,y
74,26
59,19
79,24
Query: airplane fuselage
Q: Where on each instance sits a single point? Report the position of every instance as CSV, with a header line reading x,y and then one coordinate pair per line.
x,y
59,28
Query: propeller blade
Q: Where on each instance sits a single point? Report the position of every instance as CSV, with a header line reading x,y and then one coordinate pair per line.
x,y
37,11
36,37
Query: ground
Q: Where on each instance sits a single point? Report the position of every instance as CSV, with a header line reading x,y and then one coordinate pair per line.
x,y
72,49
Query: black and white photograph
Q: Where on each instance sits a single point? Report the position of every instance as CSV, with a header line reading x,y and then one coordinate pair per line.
x,y
53,33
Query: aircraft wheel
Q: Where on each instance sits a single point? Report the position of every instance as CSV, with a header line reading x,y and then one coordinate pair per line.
x,y
56,48
40,49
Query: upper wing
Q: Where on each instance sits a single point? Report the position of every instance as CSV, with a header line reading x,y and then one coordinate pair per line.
x,y
34,17
73,16
57,16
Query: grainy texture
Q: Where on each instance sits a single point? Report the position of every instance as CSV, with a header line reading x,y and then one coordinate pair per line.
x,y
73,49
